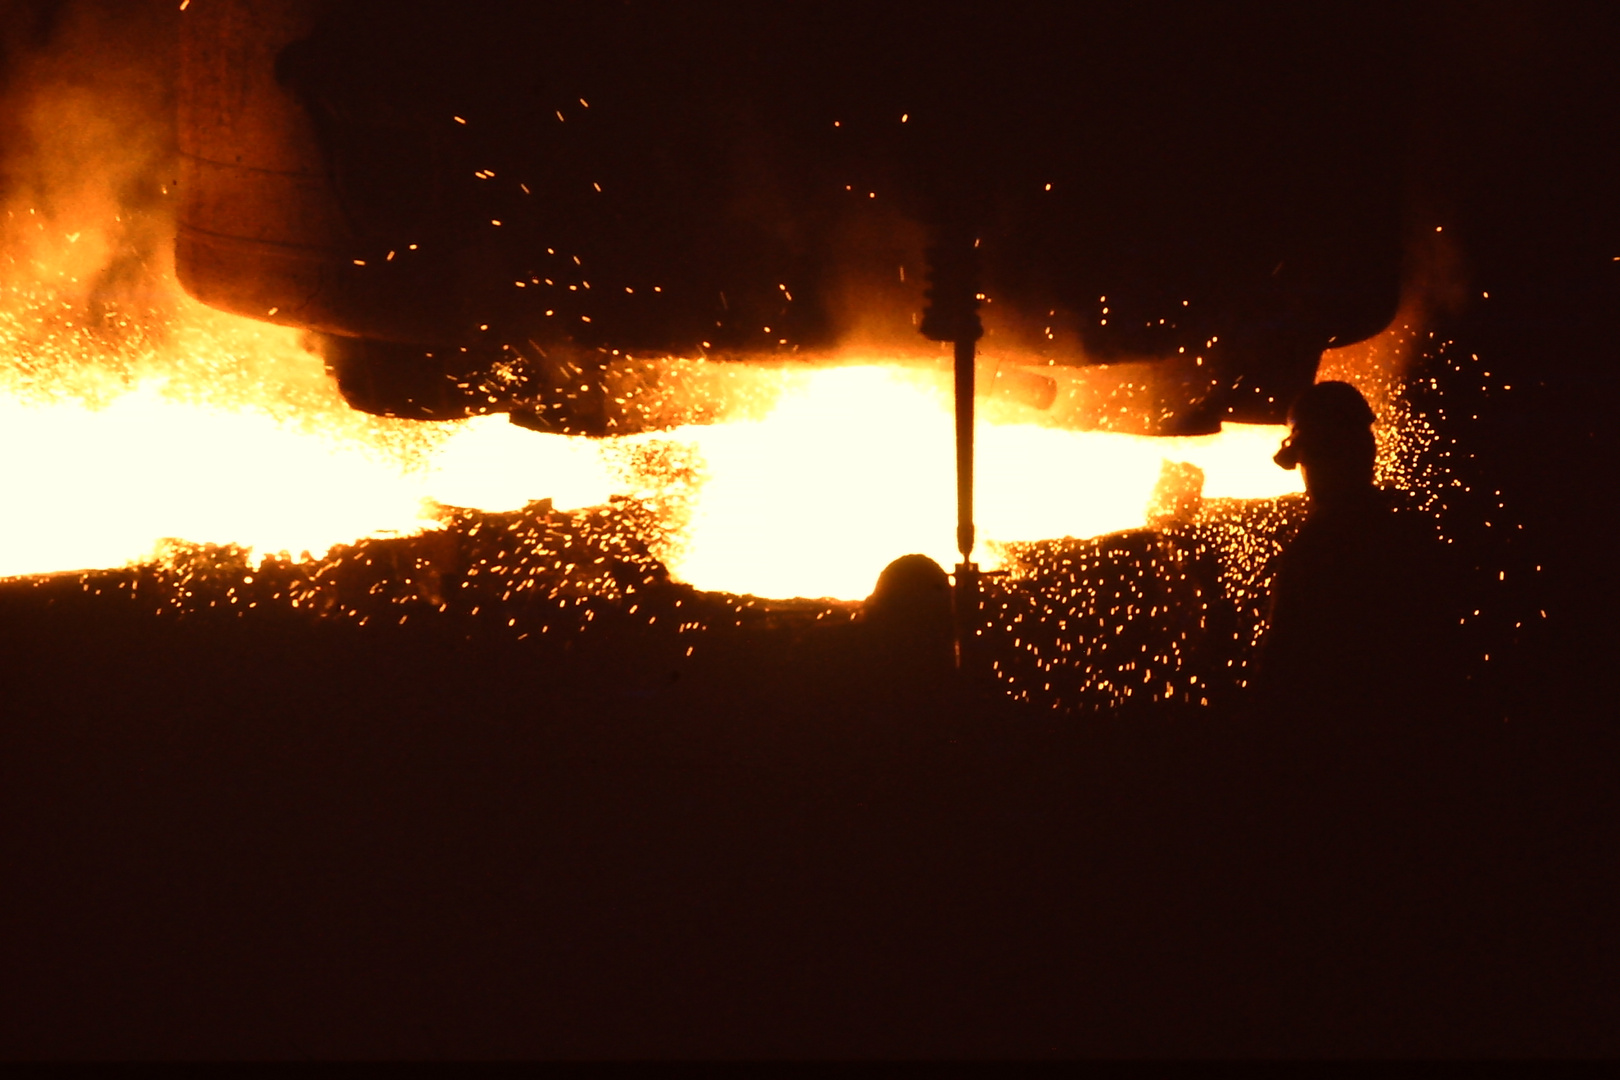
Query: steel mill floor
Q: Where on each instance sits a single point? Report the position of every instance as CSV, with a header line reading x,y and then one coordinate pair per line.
x,y
292,838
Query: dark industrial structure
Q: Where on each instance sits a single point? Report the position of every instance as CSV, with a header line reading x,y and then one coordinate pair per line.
x,y
473,208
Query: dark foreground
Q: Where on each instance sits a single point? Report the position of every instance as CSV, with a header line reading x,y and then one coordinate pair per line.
x,y
277,841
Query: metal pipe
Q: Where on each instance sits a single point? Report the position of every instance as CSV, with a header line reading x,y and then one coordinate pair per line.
x,y
951,315
966,595
964,447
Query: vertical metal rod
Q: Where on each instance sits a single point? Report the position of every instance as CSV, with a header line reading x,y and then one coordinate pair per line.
x,y
966,600
964,448
951,316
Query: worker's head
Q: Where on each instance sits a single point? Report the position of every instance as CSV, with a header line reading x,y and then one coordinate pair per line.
x,y
912,589
1331,441
908,619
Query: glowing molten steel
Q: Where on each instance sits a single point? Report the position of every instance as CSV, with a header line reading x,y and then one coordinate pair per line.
x,y
853,467
131,415
228,434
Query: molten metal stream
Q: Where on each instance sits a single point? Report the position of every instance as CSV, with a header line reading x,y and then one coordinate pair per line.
x,y
229,434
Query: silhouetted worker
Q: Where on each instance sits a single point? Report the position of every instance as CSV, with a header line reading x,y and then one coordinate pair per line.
x,y
908,621
1358,687
1361,616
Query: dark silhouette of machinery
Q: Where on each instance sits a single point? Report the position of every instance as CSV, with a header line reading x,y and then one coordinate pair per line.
x,y
480,207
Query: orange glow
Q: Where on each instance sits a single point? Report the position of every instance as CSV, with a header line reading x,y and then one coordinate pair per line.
x,y
131,415
232,434
180,422
229,432
854,466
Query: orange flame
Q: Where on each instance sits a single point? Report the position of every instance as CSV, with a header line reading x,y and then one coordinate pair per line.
x,y
226,431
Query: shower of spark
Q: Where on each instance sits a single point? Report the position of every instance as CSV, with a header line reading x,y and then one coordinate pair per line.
x,y
1173,613
211,463
126,431
213,457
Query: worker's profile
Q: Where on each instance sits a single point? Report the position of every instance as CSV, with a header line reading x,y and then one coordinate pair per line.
x,y
1359,603
1331,436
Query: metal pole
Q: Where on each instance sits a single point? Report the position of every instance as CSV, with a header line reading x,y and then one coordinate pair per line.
x,y
966,599
964,448
951,315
